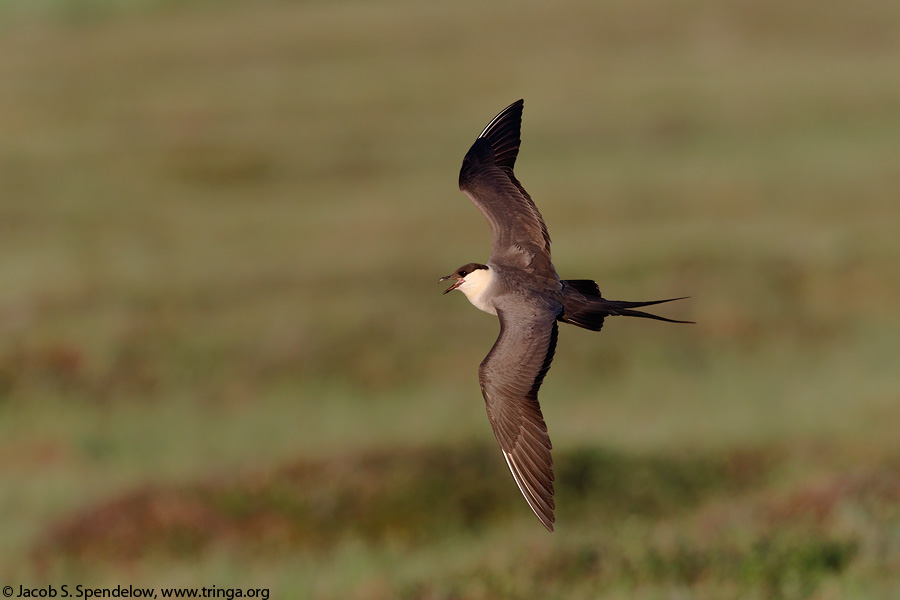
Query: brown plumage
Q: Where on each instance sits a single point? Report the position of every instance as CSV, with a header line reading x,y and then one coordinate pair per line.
x,y
520,285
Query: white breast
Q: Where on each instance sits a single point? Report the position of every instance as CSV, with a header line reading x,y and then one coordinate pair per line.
x,y
477,288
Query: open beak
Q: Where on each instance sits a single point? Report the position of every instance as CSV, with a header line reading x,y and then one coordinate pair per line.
x,y
458,283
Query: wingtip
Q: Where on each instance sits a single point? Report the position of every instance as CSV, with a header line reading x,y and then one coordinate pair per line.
x,y
541,505
516,106
503,136
548,520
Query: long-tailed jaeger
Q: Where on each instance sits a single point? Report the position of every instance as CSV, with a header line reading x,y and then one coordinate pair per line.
x,y
519,284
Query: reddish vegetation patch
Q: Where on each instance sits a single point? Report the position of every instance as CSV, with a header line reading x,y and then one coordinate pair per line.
x,y
813,502
402,494
812,505
412,494
60,362
33,454
140,521
874,489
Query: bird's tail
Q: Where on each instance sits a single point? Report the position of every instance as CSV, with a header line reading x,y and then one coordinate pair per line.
x,y
587,308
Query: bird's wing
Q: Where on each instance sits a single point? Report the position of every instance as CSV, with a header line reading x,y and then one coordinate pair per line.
x,y
519,235
510,377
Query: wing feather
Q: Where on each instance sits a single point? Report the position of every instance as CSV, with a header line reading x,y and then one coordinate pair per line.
x,y
519,234
510,378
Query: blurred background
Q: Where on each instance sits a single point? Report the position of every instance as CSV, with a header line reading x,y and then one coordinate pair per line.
x,y
225,358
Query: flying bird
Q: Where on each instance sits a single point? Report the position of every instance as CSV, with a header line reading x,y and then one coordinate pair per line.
x,y
519,284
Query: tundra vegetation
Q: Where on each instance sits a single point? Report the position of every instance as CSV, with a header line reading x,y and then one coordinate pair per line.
x,y
224,353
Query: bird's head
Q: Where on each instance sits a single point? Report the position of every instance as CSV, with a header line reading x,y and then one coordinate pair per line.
x,y
473,271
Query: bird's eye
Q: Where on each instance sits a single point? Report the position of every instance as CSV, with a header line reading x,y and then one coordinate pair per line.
x,y
463,273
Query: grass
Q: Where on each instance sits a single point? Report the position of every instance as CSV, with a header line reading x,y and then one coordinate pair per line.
x,y
224,357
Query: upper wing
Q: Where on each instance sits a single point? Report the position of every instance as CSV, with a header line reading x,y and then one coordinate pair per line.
x,y
519,235
510,378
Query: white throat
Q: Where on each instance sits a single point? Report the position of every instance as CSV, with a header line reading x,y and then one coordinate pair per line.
x,y
477,288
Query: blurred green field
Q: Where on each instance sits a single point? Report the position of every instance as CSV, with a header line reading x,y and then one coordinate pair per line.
x,y
224,354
